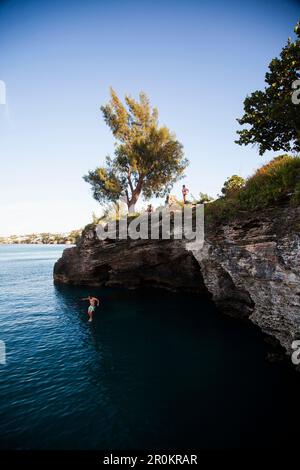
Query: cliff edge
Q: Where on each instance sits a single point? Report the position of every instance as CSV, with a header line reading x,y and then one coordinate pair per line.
x,y
250,267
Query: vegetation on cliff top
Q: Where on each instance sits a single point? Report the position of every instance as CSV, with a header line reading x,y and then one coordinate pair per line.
x,y
232,185
277,181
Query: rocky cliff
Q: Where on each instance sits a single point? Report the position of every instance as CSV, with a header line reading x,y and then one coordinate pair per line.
x,y
132,264
250,266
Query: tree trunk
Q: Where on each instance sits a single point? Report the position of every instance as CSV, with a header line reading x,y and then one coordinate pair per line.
x,y
133,200
131,207
135,195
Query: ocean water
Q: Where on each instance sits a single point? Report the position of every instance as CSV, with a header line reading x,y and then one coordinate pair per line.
x,y
153,371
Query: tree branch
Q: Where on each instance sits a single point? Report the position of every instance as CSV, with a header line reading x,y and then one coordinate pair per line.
x,y
130,183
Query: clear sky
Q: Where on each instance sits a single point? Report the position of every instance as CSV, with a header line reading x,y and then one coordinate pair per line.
x,y
196,60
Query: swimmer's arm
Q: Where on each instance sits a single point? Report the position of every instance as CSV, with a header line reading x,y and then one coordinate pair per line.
x,y
98,301
85,298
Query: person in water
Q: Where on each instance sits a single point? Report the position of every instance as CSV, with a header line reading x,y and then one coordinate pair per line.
x,y
94,302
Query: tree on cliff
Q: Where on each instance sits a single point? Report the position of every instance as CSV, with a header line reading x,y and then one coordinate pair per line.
x,y
147,160
272,114
232,185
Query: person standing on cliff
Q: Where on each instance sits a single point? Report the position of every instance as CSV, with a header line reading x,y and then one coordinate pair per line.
x,y
185,192
149,209
94,302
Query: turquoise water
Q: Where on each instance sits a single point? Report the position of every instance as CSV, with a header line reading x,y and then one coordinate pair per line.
x,y
154,370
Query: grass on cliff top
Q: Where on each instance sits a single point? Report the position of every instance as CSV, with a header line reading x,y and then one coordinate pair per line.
x,y
106,219
273,183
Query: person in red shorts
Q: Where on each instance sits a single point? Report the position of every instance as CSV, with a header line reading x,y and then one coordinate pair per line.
x,y
185,192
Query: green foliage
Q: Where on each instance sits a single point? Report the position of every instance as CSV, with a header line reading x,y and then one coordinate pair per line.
x,y
105,182
147,159
232,184
273,183
202,198
221,210
74,236
273,118
112,211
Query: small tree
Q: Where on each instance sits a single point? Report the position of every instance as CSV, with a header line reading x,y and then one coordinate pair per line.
x,y
273,117
232,185
202,198
147,159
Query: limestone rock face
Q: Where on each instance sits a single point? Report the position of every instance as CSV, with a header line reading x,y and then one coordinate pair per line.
x,y
131,264
251,266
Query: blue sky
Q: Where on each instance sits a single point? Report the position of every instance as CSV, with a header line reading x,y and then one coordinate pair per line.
x,y
196,60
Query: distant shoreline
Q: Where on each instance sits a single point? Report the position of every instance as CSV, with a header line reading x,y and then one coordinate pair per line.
x,y
43,238
40,243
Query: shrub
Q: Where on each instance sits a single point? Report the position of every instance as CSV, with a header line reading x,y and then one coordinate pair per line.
x,y
275,182
232,185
